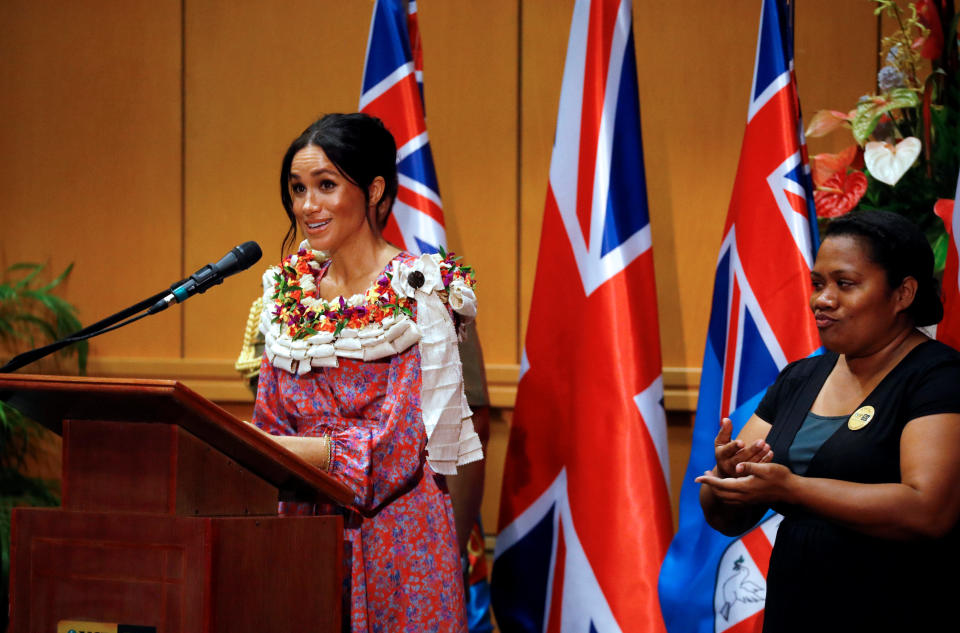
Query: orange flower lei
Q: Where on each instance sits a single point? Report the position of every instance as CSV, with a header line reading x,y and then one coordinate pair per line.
x,y
302,313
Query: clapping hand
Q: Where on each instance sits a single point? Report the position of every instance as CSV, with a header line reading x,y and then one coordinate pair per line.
x,y
732,452
753,483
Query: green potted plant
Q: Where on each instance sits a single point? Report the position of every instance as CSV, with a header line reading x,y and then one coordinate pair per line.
x,y
30,315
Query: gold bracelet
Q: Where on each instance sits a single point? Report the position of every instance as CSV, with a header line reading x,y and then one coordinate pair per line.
x,y
329,455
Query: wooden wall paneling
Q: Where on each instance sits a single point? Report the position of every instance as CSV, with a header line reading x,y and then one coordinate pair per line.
x,y
836,61
694,66
470,84
90,155
256,75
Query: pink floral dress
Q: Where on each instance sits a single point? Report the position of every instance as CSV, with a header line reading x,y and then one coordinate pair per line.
x,y
402,567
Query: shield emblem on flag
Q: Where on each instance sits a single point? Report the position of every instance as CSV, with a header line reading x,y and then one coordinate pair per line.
x,y
742,579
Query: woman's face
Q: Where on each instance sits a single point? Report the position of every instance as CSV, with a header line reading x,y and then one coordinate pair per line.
x,y
856,311
330,210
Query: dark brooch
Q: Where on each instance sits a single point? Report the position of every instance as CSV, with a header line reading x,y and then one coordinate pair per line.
x,y
416,279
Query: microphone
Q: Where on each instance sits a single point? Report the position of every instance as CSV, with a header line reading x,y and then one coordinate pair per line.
x,y
238,259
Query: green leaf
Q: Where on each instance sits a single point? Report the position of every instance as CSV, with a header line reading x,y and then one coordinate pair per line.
x,y
42,325
340,325
32,267
940,247
60,278
869,111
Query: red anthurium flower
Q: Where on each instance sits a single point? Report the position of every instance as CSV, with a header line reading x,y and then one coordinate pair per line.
x,y
826,165
839,193
932,45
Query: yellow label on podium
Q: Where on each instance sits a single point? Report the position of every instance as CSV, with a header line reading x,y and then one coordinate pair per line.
x,y
86,626
83,626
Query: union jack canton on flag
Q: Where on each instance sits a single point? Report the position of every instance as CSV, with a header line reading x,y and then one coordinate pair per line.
x,y
393,92
585,512
711,583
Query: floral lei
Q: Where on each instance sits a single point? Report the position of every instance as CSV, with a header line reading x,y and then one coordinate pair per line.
x,y
302,313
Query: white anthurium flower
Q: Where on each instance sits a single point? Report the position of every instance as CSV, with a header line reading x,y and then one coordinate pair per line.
x,y
888,163
311,303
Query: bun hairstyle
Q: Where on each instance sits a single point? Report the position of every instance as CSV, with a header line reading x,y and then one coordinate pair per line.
x,y
900,248
362,148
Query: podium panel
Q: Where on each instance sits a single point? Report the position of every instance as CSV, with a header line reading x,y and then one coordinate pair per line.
x,y
169,518
175,574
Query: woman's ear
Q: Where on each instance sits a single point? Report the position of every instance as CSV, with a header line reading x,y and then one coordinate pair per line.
x,y
375,191
906,293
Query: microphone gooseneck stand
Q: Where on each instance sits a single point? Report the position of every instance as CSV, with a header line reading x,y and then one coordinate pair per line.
x,y
100,327
238,259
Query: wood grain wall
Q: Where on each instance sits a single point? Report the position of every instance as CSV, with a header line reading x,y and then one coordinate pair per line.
x,y
142,139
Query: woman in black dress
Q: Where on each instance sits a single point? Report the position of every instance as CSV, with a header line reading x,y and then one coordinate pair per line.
x,y
859,448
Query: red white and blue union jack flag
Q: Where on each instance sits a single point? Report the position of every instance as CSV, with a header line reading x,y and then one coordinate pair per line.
x,y
759,321
585,512
393,91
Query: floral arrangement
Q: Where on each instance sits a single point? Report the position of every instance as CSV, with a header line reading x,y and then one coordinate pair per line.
x,y
302,313
906,151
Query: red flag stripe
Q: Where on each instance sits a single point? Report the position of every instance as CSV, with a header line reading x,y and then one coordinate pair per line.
x,y
400,110
556,592
603,17
753,624
759,548
730,357
420,202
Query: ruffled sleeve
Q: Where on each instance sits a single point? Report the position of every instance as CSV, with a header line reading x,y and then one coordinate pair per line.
x,y
382,457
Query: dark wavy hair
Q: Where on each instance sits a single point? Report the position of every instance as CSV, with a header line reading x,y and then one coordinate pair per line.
x,y
899,247
361,148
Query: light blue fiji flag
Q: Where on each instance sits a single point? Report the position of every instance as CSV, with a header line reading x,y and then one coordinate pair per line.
x,y
711,583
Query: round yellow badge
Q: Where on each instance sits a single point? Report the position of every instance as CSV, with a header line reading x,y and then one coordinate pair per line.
x,y
860,418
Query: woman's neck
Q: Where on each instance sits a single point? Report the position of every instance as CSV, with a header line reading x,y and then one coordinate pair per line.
x,y
355,265
879,361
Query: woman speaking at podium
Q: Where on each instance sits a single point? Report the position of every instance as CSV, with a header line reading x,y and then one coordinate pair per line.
x,y
361,375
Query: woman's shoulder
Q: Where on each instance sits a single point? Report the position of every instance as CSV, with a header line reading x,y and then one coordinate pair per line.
x,y
804,368
930,356
935,352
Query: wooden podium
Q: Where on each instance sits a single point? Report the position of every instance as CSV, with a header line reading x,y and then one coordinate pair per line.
x,y
169,519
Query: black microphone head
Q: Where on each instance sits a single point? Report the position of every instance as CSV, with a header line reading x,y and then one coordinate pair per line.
x,y
238,259
248,254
